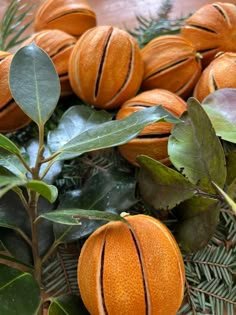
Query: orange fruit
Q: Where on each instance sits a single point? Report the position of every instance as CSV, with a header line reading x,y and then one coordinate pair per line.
x,y
105,67
171,62
212,29
12,117
219,74
153,139
73,17
131,271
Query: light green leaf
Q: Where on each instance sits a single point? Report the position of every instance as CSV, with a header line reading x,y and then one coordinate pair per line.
x,y
221,109
49,192
67,305
195,150
19,292
12,163
226,197
34,83
114,133
75,121
8,145
160,186
72,216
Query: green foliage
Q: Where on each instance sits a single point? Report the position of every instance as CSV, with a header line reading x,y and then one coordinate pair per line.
x,y
160,24
13,24
67,304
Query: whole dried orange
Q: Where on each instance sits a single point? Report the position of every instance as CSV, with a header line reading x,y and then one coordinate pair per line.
x,y
212,29
105,67
219,74
171,62
153,139
137,270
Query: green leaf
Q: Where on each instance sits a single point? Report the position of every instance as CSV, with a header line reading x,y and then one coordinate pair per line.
x,y
9,182
226,197
34,83
72,216
75,121
114,133
220,107
112,190
11,162
195,150
13,260
49,192
231,167
8,145
67,305
160,186
19,292
197,223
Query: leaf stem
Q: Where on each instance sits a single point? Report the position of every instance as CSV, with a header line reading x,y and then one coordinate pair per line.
x,y
20,157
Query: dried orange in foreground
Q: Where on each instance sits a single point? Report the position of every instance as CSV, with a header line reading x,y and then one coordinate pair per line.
x,y
58,45
73,17
219,74
105,67
11,116
212,29
153,139
131,271
171,62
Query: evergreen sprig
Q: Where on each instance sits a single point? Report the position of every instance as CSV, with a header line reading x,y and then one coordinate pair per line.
x,y
14,23
153,26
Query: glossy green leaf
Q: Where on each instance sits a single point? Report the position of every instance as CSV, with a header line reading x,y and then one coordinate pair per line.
x,y
221,109
72,216
49,192
226,197
196,228
67,305
195,150
13,260
19,292
75,121
8,145
114,133
12,163
160,186
34,83
9,182
112,190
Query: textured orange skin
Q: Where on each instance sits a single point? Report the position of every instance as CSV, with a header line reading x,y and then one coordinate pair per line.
x,y
222,37
58,45
11,116
71,16
122,67
154,147
219,74
123,286
171,62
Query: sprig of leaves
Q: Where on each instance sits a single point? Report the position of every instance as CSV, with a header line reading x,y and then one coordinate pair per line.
x,y
14,24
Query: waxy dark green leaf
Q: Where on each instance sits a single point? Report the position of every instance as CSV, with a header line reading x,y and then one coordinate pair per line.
x,y
19,292
34,83
13,260
8,145
231,167
72,216
195,150
49,192
9,182
12,163
160,186
221,109
67,305
114,133
75,121
112,190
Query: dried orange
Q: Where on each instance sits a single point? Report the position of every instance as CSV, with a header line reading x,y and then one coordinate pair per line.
x,y
105,67
171,62
212,29
129,271
153,139
219,74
